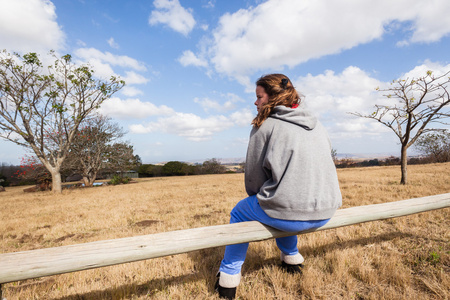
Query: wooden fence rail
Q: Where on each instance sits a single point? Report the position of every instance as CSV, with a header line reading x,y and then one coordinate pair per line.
x,y
58,260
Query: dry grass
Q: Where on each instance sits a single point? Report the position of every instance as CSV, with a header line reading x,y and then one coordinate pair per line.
x,y
402,258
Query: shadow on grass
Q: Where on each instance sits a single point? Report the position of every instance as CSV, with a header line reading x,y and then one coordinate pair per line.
x,y
206,263
137,290
340,245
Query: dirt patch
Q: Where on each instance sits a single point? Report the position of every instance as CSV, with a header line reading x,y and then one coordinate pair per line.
x,y
82,236
68,236
201,216
78,236
44,227
28,238
146,223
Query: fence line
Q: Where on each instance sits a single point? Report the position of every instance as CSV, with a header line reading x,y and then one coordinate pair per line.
x,y
65,259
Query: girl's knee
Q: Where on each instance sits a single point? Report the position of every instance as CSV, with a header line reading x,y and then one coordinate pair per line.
x,y
235,216
241,212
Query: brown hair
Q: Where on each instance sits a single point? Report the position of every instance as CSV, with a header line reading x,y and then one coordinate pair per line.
x,y
280,90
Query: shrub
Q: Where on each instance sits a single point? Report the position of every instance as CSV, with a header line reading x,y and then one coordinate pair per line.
x,y
117,179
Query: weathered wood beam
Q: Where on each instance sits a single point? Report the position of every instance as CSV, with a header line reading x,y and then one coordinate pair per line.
x,y
58,260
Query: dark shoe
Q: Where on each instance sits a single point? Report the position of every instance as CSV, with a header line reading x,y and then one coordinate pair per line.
x,y
292,269
224,293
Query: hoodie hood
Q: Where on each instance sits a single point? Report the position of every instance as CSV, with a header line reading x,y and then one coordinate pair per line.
x,y
298,116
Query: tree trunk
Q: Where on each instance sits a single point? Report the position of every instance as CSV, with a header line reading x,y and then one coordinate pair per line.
x,y
404,162
56,175
56,182
85,181
89,180
92,180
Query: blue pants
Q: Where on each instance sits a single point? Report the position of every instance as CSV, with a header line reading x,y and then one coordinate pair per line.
x,y
249,209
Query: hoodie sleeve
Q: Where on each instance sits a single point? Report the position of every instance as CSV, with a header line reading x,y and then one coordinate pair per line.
x,y
255,173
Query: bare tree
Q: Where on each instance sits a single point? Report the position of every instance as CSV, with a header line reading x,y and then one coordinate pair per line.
x,y
435,145
416,104
213,166
38,103
93,148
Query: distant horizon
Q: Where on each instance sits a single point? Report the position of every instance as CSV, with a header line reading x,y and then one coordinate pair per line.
x,y
237,160
230,160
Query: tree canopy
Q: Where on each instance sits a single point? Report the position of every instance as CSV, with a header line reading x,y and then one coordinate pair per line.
x,y
41,108
436,145
97,146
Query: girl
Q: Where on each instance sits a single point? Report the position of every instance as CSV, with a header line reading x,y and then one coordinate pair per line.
x,y
290,177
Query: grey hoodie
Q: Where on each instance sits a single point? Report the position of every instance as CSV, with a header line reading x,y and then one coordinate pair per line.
x,y
289,167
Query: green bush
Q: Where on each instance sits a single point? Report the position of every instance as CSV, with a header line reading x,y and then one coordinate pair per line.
x,y
117,179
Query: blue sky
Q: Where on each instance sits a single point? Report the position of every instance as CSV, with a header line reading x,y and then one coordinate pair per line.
x,y
190,66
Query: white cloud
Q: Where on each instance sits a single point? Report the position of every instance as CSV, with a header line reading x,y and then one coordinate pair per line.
x,y
103,63
333,96
430,20
241,141
352,90
30,25
113,43
171,13
133,109
92,54
229,104
194,127
280,33
420,71
243,117
186,125
81,43
188,58
210,4
138,128
134,78
130,91
208,104
102,70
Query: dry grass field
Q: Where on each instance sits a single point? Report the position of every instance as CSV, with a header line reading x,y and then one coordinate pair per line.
x,y
402,258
